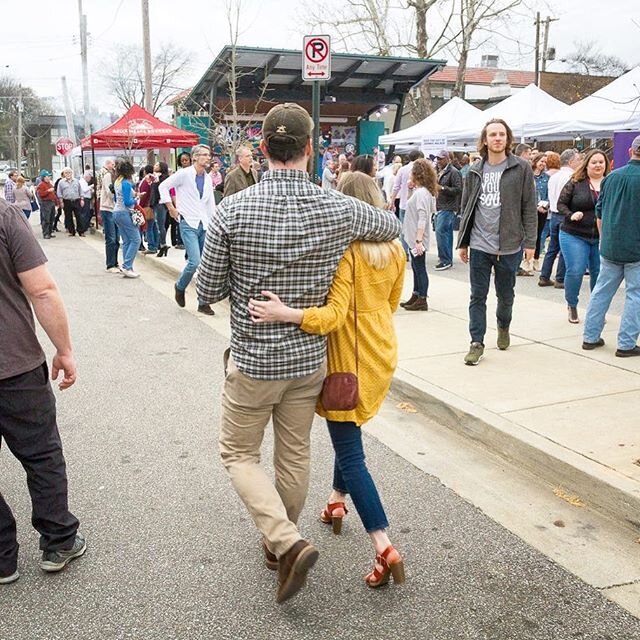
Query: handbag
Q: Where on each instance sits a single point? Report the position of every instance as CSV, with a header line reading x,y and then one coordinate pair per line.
x,y
340,390
137,215
34,205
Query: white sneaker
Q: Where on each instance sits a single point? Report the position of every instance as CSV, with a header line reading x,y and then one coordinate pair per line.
x,y
130,273
114,270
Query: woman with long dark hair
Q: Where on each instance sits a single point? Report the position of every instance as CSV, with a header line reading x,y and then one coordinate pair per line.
x,y
161,170
124,202
579,236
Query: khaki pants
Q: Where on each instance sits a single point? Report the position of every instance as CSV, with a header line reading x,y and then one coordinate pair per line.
x,y
247,405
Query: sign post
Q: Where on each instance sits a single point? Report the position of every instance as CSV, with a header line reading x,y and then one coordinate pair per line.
x,y
316,67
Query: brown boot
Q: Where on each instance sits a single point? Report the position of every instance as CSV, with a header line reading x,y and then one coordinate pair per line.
x,y
270,559
420,304
411,300
293,567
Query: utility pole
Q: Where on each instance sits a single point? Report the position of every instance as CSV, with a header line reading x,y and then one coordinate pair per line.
x,y
537,64
85,68
146,47
68,116
19,158
545,50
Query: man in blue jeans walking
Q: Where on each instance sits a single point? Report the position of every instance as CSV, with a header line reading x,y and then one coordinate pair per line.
x,y
569,162
193,209
448,205
619,225
499,218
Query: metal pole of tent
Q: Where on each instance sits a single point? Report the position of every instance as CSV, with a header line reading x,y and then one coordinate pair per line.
x,y
95,180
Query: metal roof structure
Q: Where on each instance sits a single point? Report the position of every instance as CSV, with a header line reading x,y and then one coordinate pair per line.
x,y
275,75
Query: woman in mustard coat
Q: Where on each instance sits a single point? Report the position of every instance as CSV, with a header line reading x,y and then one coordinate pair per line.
x,y
379,272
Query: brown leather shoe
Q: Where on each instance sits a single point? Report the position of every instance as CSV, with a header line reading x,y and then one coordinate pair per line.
x,y
293,567
420,304
411,300
270,559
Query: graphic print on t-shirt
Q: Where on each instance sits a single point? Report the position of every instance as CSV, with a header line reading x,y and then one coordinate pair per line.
x,y
490,197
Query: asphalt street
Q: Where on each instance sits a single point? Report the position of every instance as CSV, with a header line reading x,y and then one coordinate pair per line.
x,y
172,552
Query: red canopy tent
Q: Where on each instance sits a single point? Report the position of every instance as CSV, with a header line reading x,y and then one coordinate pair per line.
x,y
138,129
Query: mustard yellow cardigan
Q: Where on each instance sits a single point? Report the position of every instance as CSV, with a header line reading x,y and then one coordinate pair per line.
x,y
377,295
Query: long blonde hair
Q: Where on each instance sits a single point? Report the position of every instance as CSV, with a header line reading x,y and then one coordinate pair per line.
x,y
363,187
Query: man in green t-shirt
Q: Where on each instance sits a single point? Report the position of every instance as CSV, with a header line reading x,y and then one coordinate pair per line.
x,y
618,218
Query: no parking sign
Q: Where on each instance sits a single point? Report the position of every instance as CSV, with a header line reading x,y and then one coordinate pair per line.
x,y
316,58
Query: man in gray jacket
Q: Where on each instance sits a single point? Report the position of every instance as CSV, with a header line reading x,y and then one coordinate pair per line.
x,y
499,218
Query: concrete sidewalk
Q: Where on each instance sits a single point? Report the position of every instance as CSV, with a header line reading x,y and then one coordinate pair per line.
x,y
566,415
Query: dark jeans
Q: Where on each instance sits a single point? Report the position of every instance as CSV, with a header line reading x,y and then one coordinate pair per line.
x,y
350,474
85,215
71,210
444,235
28,426
420,275
47,213
542,221
504,267
111,244
161,215
176,236
554,250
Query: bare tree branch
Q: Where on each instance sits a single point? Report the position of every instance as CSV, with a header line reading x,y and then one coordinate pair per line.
x,y
587,58
124,78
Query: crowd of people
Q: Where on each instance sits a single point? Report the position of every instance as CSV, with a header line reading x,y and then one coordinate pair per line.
x,y
313,275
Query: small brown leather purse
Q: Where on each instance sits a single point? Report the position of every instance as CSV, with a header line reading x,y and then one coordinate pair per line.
x,y
340,390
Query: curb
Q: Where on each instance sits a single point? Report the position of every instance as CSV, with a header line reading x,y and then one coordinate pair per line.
x,y
598,487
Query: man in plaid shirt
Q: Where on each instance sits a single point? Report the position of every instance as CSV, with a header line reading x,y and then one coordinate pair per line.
x,y
283,234
10,187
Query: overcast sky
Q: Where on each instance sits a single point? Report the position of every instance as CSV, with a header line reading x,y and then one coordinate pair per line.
x,y
44,46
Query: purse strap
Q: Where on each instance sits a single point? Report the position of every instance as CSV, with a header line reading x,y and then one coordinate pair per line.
x,y
355,307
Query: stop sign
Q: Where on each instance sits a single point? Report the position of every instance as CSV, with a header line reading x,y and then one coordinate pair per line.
x,y
64,146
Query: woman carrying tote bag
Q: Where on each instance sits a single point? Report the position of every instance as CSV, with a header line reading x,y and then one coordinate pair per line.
x,y
369,278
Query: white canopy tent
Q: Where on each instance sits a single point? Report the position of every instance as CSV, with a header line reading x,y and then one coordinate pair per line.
x,y
615,107
530,113
447,120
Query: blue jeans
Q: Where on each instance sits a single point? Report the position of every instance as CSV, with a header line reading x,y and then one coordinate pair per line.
x,y
405,246
420,275
160,213
350,474
27,213
544,234
554,250
505,267
152,235
130,237
193,240
110,238
611,276
85,215
578,254
444,235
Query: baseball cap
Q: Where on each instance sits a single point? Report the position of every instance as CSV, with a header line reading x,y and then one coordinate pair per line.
x,y
44,173
443,153
287,124
635,145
